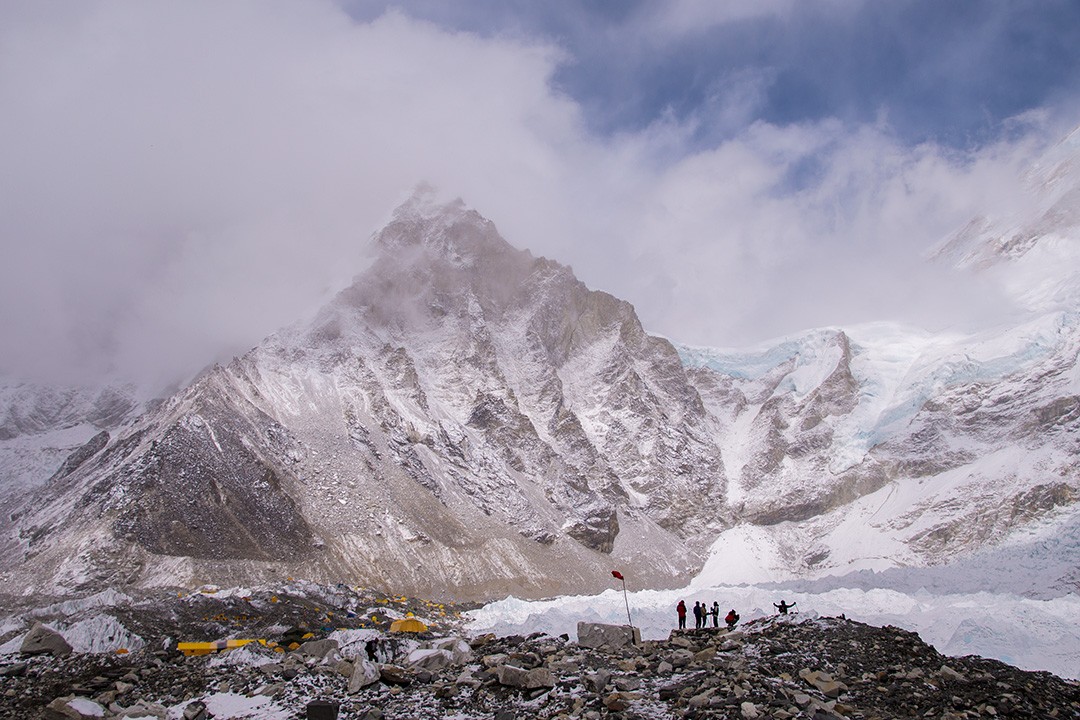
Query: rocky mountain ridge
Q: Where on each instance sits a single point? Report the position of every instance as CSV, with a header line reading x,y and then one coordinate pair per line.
x,y
463,419
467,420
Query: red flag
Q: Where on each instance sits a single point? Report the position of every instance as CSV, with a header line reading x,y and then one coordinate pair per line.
x,y
617,574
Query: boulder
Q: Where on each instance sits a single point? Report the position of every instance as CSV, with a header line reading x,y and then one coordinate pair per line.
x,y
42,639
461,650
364,673
617,701
431,659
394,675
525,679
681,658
74,708
318,648
597,635
598,681
823,682
145,710
195,710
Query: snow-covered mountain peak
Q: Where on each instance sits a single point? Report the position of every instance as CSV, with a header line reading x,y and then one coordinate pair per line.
x,y
450,232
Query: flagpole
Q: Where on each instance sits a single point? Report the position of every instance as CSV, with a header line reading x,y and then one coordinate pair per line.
x,y
619,575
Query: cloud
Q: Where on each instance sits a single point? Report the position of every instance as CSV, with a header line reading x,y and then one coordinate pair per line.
x,y
182,179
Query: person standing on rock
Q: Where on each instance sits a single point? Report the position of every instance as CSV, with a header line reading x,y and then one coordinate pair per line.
x,y
715,612
697,615
681,610
783,607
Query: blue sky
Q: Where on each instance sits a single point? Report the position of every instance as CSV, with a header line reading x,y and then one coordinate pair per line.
x,y
181,179
949,72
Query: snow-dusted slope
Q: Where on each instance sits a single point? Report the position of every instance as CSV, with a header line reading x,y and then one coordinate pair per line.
x,y
464,419
468,420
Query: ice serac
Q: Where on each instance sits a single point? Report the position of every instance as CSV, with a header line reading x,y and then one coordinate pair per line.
x,y
464,420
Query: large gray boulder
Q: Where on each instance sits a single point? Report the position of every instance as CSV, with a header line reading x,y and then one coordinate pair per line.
x,y
42,639
514,676
318,648
597,635
364,673
74,708
431,659
460,649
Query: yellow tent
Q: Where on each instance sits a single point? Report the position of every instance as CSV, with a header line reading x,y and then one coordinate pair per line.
x,y
408,624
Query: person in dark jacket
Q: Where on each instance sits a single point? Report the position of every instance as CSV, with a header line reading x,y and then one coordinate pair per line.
x,y
715,612
697,615
783,607
731,619
681,610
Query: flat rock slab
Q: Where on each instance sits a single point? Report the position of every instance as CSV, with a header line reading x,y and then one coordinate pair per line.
x,y
597,635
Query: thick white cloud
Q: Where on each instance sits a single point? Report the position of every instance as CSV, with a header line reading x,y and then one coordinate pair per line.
x,y
181,179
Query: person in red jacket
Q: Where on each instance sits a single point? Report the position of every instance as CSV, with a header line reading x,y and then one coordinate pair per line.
x,y
731,619
681,610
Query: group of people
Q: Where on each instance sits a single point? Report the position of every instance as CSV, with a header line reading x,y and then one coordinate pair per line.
x,y
703,611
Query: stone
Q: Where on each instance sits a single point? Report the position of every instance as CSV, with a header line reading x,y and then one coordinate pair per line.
x,y
823,682
533,679
949,674
318,648
41,640
15,670
430,659
664,668
681,658
467,679
364,673
394,675
597,635
74,708
749,710
705,655
617,702
597,681
540,678
494,660
460,650
344,668
143,710
271,690
322,710
511,675
195,710
701,699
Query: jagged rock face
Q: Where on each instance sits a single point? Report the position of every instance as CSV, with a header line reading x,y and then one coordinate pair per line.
x,y
467,420
464,420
